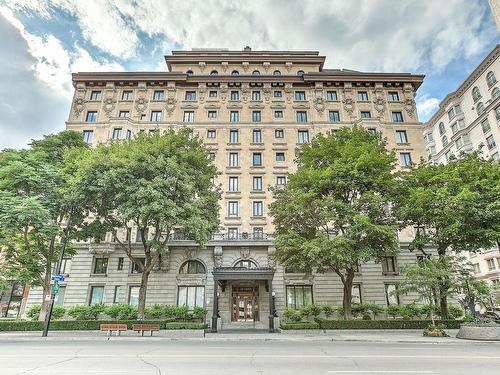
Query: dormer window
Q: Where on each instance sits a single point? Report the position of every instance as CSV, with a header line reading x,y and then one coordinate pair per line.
x,y
256,73
189,73
300,73
276,73
235,73
214,73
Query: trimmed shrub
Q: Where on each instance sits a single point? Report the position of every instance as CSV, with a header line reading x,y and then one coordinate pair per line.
x,y
299,325
199,313
83,312
394,311
186,325
121,311
58,312
155,312
328,310
411,311
70,325
426,311
375,309
359,309
310,310
34,312
455,312
383,324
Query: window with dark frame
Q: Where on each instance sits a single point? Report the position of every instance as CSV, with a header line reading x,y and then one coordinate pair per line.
x,y
298,296
96,295
120,264
192,266
100,266
389,265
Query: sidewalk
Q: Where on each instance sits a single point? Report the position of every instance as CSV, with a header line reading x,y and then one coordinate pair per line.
x,y
382,336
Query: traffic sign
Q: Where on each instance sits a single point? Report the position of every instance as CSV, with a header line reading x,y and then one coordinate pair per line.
x,y
55,288
57,277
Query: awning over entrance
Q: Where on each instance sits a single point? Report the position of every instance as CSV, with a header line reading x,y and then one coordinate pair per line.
x,y
223,274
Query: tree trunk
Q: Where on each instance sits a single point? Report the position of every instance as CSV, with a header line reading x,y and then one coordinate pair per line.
x,y
347,299
46,292
142,293
443,289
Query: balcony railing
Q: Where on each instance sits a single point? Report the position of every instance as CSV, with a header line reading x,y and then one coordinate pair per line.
x,y
229,237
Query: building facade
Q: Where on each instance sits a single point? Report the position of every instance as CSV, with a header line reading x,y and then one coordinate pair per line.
x,y
469,119
253,109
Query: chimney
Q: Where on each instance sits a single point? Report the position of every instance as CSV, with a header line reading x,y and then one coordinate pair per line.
x,y
247,49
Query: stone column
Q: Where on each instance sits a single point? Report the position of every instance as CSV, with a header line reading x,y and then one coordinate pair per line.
x,y
271,306
215,313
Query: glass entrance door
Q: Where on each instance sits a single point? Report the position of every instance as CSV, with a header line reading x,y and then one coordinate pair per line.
x,y
245,304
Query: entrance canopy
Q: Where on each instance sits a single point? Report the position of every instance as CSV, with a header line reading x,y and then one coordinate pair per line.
x,y
242,273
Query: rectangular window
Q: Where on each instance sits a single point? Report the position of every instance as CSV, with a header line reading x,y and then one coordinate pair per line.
x,y
257,159
331,95
191,296
491,264
401,136
127,95
211,156
158,95
212,94
257,136
133,296
155,116
393,96
362,96
301,116
397,117
134,267
255,95
278,114
96,295
256,116
116,294
212,114
333,116
278,94
234,159
91,116
65,266
298,296
405,159
129,134
235,95
233,136
300,96
429,138
279,133
257,208
190,95
124,114
234,116
356,294
366,114
280,180
117,133
59,298
389,265
280,156
454,128
100,266
232,208
233,184
485,125
188,116
490,142
257,183
120,264
138,235
258,233
302,136
88,135
211,133
391,296
95,95
232,233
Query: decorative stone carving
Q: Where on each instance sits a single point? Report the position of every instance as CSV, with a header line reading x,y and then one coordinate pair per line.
x,y
288,94
410,107
170,106
379,104
244,94
245,252
217,256
348,105
225,65
191,280
245,65
202,65
201,94
319,104
109,102
141,103
78,106
223,93
267,94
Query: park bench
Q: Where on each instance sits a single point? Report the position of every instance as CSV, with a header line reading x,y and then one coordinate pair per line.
x,y
145,328
109,327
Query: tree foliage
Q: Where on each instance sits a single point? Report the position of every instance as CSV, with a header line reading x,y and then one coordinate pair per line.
x,y
335,211
155,184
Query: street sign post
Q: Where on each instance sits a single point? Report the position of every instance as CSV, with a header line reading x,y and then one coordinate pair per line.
x,y
55,288
57,278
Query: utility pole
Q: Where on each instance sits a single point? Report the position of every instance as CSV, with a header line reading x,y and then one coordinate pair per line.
x,y
48,316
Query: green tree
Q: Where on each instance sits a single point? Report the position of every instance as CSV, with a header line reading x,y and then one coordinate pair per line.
x,y
34,208
335,211
456,206
154,183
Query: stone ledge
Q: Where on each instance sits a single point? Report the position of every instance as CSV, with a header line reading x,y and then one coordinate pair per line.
x,y
474,332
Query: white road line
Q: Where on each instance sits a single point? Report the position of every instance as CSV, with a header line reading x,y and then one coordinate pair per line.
x,y
380,372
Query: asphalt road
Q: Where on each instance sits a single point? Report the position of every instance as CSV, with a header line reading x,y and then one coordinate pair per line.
x,y
246,357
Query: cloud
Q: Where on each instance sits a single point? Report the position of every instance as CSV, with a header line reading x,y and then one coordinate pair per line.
x,y
426,106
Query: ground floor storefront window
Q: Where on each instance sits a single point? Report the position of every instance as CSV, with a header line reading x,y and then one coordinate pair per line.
x,y
191,296
298,296
11,297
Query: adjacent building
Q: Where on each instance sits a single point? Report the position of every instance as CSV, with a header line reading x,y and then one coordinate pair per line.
x,y
468,119
253,110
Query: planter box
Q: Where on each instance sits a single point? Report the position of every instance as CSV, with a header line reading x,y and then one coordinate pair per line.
x,y
479,332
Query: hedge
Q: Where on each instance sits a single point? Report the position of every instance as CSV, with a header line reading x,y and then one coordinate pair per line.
x,y
384,324
299,325
186,325
75,325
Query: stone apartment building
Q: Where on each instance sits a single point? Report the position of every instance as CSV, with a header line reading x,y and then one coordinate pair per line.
x,y
253,109
468,119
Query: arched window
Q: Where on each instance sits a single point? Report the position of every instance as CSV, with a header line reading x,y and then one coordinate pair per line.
x,y
445,140
214,73
235,73
192,266
249,264
491,79
495,92
442,130
256,73
300,73
476,94
189,72
480,108
276,73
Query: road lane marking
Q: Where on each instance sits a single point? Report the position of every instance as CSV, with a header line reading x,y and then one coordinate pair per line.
x,y
380,372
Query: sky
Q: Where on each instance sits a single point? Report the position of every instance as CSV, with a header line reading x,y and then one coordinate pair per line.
x,y
43,41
